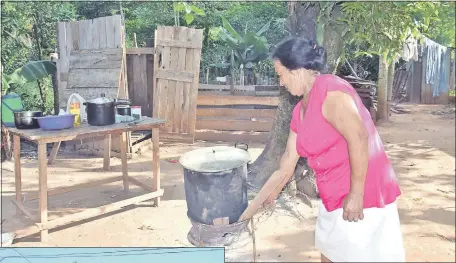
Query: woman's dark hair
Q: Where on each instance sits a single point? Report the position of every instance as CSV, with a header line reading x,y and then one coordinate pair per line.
x,y
296,53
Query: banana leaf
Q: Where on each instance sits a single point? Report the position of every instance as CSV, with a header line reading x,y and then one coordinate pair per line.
x,y
227,26
264,28
32,71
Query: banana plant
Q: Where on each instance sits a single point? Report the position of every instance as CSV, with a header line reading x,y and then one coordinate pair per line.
x,y
31,71
249,48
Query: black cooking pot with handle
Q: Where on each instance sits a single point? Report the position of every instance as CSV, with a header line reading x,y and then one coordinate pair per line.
x,y
27,119
102,111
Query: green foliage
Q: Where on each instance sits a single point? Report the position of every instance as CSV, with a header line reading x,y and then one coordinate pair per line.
x,y
249,48
23,82
251,16
190,12
20,44
386,25
31,71
254,27
442,28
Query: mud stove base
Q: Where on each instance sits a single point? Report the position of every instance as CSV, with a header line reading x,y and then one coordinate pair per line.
x,y
202,235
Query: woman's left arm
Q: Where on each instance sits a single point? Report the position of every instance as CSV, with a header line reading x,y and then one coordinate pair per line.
x,y
340,110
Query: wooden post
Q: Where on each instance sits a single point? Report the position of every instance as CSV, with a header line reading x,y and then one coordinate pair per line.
x,y
123,156
17,170
53,155
134,40
156,163
43,191
107,153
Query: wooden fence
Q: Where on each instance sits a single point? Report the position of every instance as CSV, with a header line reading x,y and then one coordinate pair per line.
x,y
245,114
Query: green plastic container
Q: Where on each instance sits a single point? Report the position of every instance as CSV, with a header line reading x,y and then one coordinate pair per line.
x,y
10,103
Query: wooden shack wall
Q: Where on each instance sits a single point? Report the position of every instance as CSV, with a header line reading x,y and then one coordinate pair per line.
x,y
140,76
98,33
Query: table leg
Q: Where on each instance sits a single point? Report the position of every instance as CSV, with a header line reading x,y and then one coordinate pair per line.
x,y
43,191
107,153
156,163
53,155
123,156
17,170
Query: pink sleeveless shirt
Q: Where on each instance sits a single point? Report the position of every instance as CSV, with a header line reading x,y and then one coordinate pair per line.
x,y
327,152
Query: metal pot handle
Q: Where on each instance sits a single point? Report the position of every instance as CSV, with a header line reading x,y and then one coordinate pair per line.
x,y
117,103
246,146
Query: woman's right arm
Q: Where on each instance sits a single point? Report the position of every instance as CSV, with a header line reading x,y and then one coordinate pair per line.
x,y
290,157
287,165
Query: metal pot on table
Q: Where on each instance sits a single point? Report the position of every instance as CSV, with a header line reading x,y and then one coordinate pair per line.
x,y
102,111
27,119
123,107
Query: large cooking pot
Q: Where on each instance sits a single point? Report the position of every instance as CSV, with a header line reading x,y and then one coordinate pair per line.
x,y
27,119
102,111
215,181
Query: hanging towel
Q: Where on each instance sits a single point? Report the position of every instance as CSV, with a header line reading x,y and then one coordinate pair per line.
x,y
434,63
410,49
432,60
414,46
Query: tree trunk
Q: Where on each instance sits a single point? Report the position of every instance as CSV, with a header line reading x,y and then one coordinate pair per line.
x,y
41,87
301,22
382,96
389,92
55,87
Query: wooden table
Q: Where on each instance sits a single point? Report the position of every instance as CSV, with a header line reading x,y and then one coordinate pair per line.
x,y
42,138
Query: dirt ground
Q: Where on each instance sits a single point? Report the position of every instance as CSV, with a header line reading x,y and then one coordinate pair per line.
x,y
421,145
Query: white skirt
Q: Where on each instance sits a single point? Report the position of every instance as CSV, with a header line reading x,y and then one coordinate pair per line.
x,y
376,238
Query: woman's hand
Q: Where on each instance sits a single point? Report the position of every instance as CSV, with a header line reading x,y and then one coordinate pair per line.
x,y
353,207
270,200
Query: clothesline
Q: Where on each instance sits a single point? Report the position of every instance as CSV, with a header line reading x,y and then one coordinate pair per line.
x,y
437,61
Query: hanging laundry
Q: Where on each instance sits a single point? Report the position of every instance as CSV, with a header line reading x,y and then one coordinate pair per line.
x,y
433,60
410,49
434,64
444,78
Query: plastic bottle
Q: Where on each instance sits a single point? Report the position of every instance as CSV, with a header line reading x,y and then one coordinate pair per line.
x,y
75,105
75,108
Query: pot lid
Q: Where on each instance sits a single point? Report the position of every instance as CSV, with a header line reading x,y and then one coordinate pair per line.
x,y
102,99
214,159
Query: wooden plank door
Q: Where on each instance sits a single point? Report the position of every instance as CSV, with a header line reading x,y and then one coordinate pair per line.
x,y
176,79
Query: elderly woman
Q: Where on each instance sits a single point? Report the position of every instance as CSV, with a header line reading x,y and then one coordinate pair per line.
x,y
358,219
